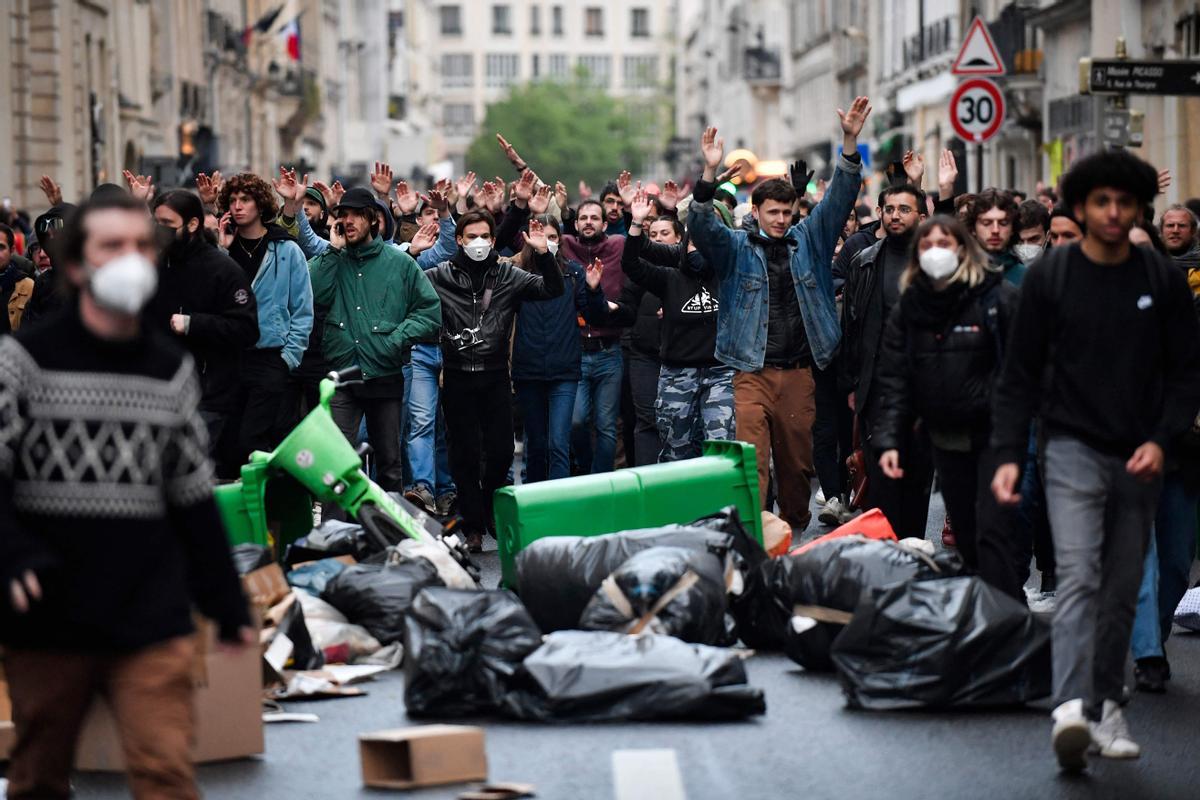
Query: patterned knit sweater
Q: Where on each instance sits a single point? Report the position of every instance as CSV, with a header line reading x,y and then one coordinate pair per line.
x,y
106,492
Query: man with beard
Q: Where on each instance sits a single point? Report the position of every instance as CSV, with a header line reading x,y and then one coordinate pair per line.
x,y
872,291
992,217
379,302
1178,226
205,300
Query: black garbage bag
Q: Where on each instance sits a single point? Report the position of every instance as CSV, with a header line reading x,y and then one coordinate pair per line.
x,y
314,576
377,596
304,654
603,676
557,575
833,576
461,649
249,557
331,538
669,590
954,642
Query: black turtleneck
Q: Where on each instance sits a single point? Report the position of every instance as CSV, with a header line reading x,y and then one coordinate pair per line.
x,y
477,270
787,341
895,259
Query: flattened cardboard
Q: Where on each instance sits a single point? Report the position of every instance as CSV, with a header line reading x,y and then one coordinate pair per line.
x,y
424,755
8,739
228,701
266,586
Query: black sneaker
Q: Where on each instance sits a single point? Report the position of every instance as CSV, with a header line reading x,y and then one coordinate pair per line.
x,y
1152,674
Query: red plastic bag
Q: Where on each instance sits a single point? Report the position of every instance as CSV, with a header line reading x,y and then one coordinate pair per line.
x,y
872,524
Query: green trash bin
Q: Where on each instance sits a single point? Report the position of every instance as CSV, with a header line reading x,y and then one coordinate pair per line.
x,y
640,497
266,507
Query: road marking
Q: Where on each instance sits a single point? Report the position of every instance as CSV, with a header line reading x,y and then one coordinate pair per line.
x,y
647,775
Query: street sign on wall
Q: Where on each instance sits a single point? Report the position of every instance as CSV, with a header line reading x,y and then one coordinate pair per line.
x,y
1125,76
977,110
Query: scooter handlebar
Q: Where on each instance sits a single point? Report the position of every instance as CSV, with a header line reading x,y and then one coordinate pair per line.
x,y
346,376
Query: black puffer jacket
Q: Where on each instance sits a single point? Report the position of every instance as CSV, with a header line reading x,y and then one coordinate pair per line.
x,y
463,286
941,367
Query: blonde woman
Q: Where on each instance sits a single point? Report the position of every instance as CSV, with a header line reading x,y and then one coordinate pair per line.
x,y
941,355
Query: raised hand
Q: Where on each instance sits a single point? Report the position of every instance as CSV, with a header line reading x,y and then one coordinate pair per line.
x,y
540,202
854,119
51,189
326,192
497,200
537,236
209,188
406,198
381,180
668,198
585,191
639,207
285,184
947,174
338,190
560,195
437,197
733,171
523,189
139,186
595,271
625,187
712,148
425,237
1164,180
223,238
914,167
511,154
465,184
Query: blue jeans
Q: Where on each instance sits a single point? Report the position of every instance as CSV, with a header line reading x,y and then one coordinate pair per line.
x,y
597,404
1167,568
425,441
547,408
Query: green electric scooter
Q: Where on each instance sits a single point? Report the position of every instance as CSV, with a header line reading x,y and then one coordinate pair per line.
x,y
272,504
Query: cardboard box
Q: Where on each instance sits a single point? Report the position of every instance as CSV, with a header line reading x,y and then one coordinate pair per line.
x,y
228,698
425,755
265,586
8,739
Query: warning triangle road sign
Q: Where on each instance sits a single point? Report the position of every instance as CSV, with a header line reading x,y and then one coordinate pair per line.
x,y
978,54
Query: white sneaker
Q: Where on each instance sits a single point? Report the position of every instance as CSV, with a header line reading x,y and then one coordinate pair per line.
x,y
820,498
1072,736
833,512
1111,737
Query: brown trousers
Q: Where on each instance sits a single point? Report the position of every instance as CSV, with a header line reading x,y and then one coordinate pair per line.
x,y
775,409
150,693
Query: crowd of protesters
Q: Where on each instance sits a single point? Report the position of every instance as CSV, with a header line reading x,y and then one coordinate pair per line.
x,y
1035,360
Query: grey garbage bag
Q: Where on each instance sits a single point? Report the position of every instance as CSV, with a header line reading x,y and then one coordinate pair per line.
x,y
668,590
461,648
951,642
603,676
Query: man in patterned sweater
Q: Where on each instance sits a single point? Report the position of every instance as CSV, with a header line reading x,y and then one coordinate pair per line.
x,y
108,529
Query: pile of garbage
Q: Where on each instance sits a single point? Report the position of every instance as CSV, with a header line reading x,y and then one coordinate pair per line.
x,y
647,624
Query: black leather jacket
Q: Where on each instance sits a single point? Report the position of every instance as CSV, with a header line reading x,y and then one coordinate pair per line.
x,y
505,287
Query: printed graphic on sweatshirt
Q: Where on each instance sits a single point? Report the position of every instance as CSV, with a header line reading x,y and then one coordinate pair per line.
x,y
700,303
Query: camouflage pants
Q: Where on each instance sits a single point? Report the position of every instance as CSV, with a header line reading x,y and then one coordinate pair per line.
x,y
694,404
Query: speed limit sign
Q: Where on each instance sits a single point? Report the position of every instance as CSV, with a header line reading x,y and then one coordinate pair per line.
x,y
977,110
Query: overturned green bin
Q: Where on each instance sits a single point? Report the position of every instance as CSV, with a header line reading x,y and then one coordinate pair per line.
x,y
640,497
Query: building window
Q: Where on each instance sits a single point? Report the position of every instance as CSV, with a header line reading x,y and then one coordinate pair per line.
x,y
640,24
641,72
594,21
457,70
598,69
502,69
556,20
559,66
536,72
451,17
458,119
502,20
535,20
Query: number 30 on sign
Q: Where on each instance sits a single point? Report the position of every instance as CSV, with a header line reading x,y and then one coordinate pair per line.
x,y
977,110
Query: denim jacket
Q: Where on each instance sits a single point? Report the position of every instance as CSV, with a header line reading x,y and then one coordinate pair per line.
x,y
285,300
741,268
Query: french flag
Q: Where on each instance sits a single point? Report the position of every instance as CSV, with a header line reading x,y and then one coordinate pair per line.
x,y
290,33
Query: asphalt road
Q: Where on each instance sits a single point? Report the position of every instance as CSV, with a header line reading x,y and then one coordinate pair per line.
x,y
806,746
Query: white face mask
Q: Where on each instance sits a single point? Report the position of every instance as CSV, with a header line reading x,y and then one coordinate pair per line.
x,y
1027,252
939,262
552,247
477,249
125,284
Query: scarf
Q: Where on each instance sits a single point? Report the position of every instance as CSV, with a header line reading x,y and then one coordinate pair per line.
x,y
923,306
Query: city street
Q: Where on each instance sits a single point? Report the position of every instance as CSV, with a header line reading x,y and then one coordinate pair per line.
x,y
806,746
